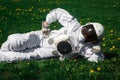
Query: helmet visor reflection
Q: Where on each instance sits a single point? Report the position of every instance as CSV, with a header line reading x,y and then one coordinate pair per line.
x,y
89,33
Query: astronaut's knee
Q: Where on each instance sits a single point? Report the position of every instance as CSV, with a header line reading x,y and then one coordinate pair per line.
x,y
13,36
13,43
6,45
13,39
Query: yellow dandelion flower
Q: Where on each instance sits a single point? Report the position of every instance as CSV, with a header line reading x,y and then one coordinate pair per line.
x,y
32,18
111,30
113,47
92,71
30,9
81,22
28,63
103,39
103,45
44,10
18,9
118,38
111,34
98,68
2,7
75,60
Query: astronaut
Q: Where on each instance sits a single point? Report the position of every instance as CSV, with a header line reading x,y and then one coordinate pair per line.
x,y
69,40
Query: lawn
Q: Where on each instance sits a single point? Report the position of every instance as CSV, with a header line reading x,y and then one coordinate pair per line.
x,y
21,16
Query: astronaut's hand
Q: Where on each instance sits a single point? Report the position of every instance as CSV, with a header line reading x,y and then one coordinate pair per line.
x,y
96,49
45,29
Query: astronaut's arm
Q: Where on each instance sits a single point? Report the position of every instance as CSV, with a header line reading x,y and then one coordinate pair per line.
x,y
93,54
64,18
57,14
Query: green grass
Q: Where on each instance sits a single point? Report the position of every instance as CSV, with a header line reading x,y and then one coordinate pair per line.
x,y
21,16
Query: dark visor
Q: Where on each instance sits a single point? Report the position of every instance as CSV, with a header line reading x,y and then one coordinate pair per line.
x,y
89,33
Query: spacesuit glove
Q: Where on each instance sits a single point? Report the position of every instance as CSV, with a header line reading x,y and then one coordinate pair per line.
x,y
96,49
45,29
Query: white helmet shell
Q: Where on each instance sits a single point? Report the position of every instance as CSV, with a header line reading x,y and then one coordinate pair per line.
x,y
98,28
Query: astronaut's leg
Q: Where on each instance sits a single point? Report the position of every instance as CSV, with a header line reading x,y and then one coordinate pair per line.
x,y
44,52
20,42
15,42
34,53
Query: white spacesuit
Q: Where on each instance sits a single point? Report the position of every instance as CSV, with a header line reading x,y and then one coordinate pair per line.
x,y
72,38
